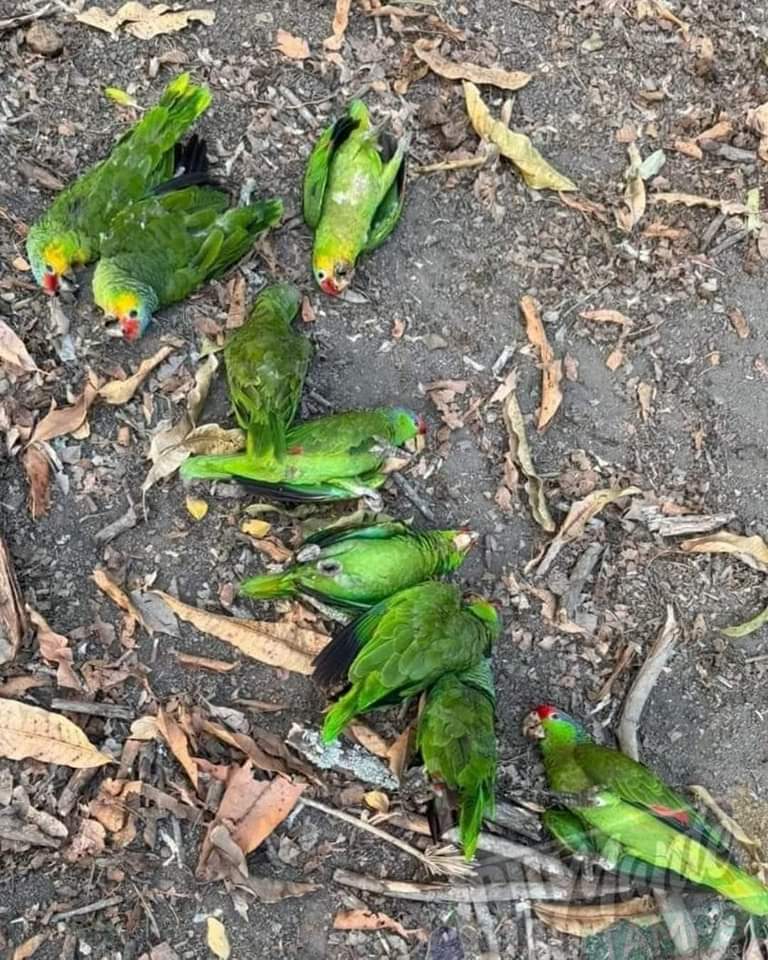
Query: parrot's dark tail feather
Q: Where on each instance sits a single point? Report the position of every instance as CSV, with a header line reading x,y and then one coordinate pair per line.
x,y
191,168
341,130
285,493
333,661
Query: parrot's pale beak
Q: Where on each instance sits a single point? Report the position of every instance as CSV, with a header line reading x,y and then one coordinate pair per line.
x,y
532,727
328,286
465,540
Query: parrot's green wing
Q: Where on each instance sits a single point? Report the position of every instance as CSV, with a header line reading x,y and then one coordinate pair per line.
x,y
388,213
321,158
266,362
376,531
636,784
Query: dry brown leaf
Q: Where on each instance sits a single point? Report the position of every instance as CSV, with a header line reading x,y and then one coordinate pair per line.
x,y
64,420
535,170
750,550
118,596
17,687
205,663
120,391
13,619
176,739
144,22
369,739
662,230
725,820
37,469
242,742
27,731
634,193
520,452
728,207
295,48
13,351
495,76
757,119
580,514
367,920
278,643
606,316
210,438
615,359
720,131
339,26
583,920
689,148
739,322
89,841
399,753
55,648
645,394
551,368
25,950
585,206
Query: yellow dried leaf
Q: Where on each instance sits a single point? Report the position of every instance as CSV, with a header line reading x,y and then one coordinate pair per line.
x,y
120,97
144,22
377,801
583,920
516,147
495,76
750,550
256,528
278,643
120,391
196,507
145,728
27,731
520,452
295,48
37,469
217,939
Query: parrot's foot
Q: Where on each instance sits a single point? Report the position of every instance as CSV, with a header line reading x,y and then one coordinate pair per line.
x,y
584,798
373,501
309,553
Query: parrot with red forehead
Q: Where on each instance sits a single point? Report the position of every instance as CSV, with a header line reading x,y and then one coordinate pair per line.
x,y
70,232
631,814
354,188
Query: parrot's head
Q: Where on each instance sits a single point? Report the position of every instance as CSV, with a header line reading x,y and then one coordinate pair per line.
x,y
462,540
484,610
131,311
50,263
554,726
333,274
406,425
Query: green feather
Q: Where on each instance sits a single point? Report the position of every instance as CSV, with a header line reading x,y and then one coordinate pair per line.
x,y
400,647
266,362
142,158
357,567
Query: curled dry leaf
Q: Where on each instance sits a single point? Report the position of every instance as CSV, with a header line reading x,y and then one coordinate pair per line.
x,y
278,643
64,420
176,739
13,351
551,367
204,663
584,920
27,731
37,469
144,22
118,596
606,316
580,514
55,648
750,550
217,939
728,207
13,619
367,920
295,48
369,739
120,391
339,26
495,76
520,452
516,147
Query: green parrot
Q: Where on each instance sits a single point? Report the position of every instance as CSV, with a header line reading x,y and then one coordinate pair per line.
x,y
633,813
356,567
337,457
266,362
70,233
402,646
457,741
354,188
162,248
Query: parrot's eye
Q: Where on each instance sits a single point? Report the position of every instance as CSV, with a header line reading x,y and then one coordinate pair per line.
x,y
329,567
133,314
321,274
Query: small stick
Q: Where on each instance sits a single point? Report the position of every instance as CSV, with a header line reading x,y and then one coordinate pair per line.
x,y
111,710
47,11
305,115
579,576
464,164
451,866
711,232
73,788
88,908
411,494
644,682
729,242
509,850
126,521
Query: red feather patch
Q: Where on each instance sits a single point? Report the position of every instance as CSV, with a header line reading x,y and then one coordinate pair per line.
x,y
680,815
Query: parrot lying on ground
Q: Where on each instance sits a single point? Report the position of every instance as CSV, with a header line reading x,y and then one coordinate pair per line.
x,y
355,567
634,813
70,233
159,249
457,741
402,646
337,457
266,362
354,188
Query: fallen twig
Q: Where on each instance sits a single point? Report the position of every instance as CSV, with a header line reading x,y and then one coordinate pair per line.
x,y
88,908
452,865
12,22
644,683
509,850
407,488
112,710
579,576
463,164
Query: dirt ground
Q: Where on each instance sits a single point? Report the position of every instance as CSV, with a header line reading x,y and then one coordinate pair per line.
x,y
441,303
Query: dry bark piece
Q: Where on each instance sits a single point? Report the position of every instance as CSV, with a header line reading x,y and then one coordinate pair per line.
x,y
278,643
451,70
13,620
27,731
